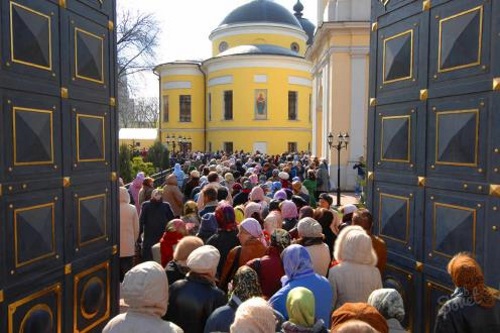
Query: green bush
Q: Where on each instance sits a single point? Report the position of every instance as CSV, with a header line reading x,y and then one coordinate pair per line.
x,y
139,165
125,166
158,155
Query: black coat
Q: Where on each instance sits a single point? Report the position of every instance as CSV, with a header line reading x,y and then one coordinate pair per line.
x,y
175,272
154,218
224,241
461,314
191,301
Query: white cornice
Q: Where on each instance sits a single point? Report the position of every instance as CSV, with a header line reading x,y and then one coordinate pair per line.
x,y
353,51
257,28
216,81
256,61
178,69
177,85
306,128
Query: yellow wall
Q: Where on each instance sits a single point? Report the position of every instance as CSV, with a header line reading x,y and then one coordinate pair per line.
x,y
277,130
246,39
193,129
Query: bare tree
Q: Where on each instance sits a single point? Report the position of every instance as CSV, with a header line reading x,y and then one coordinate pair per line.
x,y
137,40
146,111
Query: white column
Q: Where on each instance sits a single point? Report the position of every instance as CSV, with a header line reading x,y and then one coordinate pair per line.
x,y
314,115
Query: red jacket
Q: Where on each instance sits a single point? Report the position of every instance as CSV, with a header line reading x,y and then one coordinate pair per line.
x,y
269,268
167,242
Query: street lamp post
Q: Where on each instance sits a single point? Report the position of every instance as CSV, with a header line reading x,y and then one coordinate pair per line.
x,y
342,142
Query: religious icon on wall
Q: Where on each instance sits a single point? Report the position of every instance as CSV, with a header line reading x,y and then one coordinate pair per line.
x,y
261,104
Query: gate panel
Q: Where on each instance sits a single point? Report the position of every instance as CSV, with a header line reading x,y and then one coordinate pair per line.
x,y
433,129
58,180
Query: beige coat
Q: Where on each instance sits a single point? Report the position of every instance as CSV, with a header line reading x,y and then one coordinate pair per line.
x,y
320,257
173,195
129,225
145,291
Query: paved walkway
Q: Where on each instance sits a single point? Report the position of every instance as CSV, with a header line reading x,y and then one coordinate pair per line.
x,y
345,198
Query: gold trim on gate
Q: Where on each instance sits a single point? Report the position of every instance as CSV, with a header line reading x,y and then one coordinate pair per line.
x,y
1,296
76,56
79,221
78,159
54,288
51,161
0,190
384,81
112,101
478,62
426,5
421,181
67,269
373,101
114,176
62,3
496,83
476,146
111,25
13,59
419,266
374,26
428,286
64,93
77,278
407,236
43,256
495,190
371,175
43,307
407,160
84,313
114,249
474,221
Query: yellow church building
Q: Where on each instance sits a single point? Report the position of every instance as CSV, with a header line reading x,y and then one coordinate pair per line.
x,y
253,94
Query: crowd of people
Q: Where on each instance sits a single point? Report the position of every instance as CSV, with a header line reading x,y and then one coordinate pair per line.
x,y
251,243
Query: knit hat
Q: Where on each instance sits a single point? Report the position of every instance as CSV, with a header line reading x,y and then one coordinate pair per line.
x,y
309,227
359,311
326,197
300,306
254,315
280,195
251,208
348,209
283,175
252,226
185,246
388,302
257,194
466,273
204,260
288,209
226,219
280,238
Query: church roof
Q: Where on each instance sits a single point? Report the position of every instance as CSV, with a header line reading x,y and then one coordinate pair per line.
x,y
259,11
258,49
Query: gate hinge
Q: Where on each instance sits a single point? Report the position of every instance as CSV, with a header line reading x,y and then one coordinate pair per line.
x,y
371,175
374,26
62,3
111,25
496,83
421,181
67,269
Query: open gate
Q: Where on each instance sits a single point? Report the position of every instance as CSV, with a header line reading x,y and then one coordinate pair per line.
x,y
434,143
58,160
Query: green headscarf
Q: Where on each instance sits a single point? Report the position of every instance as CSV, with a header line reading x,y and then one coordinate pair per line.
x,y
300,307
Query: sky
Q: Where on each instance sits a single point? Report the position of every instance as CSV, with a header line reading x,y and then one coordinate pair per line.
x,y
185,27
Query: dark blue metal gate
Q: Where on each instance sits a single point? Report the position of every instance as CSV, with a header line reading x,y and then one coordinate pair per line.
x,y
434,138
58,221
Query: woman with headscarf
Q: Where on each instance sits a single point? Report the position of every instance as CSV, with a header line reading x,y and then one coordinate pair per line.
x,y
301,310
326,218
350,312
255,316
145,291
194,181
193,299
311,237
244,286
226,236
254,210
472,307
177,268
208,227
299,272
269,268
134,189
389,303
356,276
146,191
190,217
179,174
289,214
251,240
176,229
173,195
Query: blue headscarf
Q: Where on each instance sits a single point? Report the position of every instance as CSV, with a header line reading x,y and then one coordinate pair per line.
x,y
296,262
179,174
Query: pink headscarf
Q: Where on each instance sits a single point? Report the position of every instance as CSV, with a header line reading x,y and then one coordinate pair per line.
x,y
252,226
